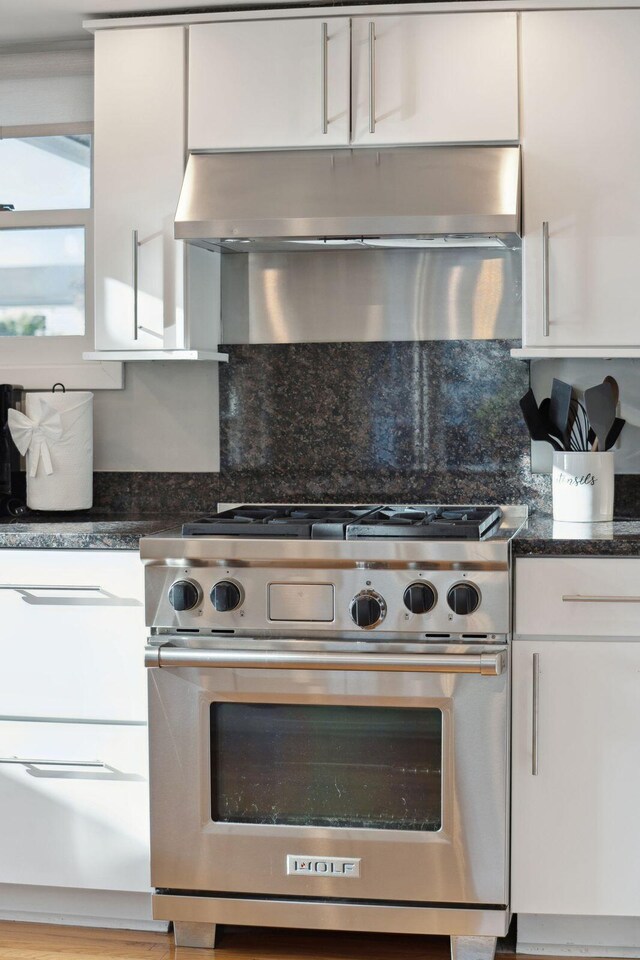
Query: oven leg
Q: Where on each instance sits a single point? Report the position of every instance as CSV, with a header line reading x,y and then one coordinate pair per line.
x,y
473,948
188,934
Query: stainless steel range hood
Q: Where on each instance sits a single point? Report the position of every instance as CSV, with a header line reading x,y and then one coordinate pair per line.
x,y
362,198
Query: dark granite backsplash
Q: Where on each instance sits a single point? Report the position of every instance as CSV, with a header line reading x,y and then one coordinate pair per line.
x,y
155,494
421,421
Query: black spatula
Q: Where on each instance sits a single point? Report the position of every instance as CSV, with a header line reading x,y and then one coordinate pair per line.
x,y
534,421
601,410
560,409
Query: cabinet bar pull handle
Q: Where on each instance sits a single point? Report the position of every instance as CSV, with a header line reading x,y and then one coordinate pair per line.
x,y
325,92
577,598
536,708
545,279
136,247
42,586
35,762
372,77
488,665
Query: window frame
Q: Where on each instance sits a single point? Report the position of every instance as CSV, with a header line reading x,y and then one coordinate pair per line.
x,y
38,362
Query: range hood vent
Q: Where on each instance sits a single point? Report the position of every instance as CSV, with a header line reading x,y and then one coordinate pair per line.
x,y
352,199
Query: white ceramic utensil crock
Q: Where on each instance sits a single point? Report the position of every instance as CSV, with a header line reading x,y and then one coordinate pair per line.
x,y
583,487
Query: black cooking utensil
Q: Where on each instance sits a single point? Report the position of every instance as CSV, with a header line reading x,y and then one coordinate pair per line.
x,y
578,438
544,410
601,410
535,422
615,431
560,409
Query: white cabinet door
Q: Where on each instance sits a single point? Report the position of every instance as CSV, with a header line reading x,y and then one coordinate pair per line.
x,y
138,170
262,84
581,155
72,634
435,78
575,830
78,825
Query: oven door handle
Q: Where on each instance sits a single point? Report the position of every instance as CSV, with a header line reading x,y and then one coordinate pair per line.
x,y
484,664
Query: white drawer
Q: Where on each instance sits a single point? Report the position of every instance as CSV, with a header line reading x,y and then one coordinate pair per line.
x,y
577,596
74,826
72,634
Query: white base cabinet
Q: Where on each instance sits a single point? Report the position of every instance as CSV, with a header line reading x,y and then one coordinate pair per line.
x,y
575,841
74,797
575,830
73,635
75,805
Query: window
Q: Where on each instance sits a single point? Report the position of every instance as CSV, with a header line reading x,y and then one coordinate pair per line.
x,y
46,257
45,227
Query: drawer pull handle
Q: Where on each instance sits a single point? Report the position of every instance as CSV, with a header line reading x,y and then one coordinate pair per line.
x,y
42,586
578,598
34,762
89,596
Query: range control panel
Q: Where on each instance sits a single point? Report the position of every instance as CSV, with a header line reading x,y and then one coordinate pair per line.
x,y
286,602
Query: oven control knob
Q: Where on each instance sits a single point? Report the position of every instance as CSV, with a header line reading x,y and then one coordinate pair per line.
x,y
184,595
463,598
368,609
225,596
420,597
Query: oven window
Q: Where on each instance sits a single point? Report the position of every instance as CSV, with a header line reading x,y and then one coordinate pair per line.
x,y
328,766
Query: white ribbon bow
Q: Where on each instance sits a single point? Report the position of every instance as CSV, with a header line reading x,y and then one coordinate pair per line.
x,y
34,436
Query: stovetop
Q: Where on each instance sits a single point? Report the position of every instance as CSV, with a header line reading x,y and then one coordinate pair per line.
x,y
350,522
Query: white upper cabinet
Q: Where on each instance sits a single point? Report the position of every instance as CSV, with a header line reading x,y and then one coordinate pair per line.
x,y
581,155
140,120
269,83
435,78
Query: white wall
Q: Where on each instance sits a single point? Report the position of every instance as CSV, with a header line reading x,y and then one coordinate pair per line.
x,y
166,418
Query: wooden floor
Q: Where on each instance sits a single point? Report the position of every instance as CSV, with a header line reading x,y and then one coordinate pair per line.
x,y
34,941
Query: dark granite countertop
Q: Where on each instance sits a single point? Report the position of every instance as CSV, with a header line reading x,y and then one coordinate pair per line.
x,y
542,537
79,531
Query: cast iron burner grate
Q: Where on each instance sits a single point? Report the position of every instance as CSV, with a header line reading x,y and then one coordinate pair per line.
x,y
283,521
426,523
399,522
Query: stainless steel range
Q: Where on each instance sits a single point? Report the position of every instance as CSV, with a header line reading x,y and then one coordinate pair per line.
x,y
329,720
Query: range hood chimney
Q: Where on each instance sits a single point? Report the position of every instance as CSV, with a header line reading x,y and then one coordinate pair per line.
x,y
360,198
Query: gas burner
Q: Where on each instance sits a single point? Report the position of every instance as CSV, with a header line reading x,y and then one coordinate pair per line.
x,y
350,522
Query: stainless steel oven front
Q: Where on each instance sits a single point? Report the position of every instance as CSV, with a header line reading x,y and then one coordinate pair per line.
x,y
330,769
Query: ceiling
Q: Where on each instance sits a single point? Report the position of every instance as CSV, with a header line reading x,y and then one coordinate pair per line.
x,y
32,21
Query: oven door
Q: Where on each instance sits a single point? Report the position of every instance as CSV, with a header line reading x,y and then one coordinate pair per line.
x,y
321,770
